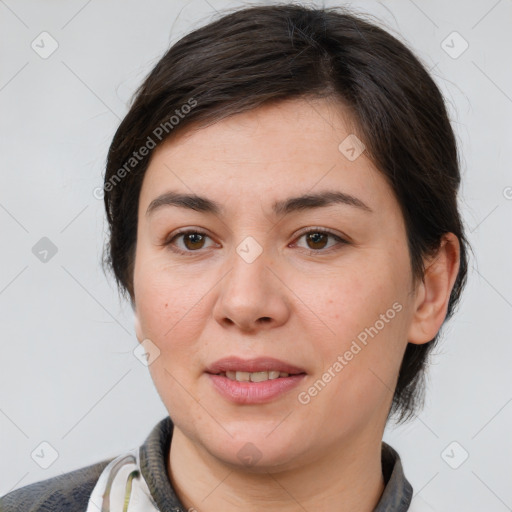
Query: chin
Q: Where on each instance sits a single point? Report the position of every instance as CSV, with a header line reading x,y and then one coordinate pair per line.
x,y
250,458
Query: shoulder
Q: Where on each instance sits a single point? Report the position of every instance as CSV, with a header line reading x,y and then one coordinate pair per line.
x,y
68,492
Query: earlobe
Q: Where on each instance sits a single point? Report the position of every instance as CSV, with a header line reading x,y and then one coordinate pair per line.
x,y
434,291
138,329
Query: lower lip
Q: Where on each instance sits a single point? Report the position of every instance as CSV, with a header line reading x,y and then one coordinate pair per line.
x,y
254,392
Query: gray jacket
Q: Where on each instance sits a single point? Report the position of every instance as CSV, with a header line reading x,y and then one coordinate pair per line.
x,y
70,492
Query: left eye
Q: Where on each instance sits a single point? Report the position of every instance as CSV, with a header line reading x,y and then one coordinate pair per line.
x,y
318,238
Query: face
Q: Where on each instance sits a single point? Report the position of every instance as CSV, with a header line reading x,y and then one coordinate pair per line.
x,y
322,285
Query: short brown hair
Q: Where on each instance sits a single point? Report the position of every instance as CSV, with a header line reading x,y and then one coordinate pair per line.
x,y
257,55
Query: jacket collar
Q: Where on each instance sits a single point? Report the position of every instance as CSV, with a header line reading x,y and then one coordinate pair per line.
x,y
396,497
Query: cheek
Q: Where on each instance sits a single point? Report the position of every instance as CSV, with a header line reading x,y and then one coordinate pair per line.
x,y
365,312
171,309
353,298
162,296
168,316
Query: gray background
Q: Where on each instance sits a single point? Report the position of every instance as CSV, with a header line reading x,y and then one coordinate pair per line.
x,y
68,374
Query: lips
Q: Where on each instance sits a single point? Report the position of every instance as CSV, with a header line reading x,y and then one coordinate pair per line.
x,y
260,364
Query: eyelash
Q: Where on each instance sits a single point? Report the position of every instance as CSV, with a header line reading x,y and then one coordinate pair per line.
x,y
341,241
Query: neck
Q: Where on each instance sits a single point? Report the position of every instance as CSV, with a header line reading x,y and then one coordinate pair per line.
x,y
340,480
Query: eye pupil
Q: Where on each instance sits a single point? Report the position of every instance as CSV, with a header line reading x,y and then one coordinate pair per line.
x,y
316,238
194,238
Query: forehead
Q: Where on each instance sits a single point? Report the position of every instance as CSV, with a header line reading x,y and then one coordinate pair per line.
x,y
265,155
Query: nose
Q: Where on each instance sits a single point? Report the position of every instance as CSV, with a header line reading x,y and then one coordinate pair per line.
x,y
252,296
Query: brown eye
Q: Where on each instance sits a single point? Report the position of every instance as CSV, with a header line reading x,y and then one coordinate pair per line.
x,y
318,239
191,241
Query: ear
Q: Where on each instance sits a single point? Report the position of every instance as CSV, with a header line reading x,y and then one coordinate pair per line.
x,y
433,293
138,329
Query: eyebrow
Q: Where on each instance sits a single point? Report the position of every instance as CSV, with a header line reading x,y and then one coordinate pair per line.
x,y
284,207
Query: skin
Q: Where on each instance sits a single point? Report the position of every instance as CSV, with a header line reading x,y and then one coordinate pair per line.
x,y
204,305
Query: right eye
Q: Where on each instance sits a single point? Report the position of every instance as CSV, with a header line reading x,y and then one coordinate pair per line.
x,y
192,240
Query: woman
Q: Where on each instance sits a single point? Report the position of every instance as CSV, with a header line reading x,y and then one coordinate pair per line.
x,y
282,203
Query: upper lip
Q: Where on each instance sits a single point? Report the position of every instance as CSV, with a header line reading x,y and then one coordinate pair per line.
x,y
259,364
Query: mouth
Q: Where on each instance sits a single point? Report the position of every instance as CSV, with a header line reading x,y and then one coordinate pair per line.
x,y
253,370
241,376
253,381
